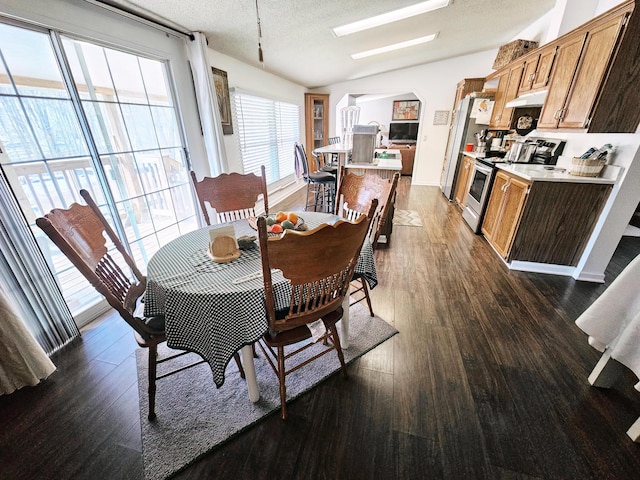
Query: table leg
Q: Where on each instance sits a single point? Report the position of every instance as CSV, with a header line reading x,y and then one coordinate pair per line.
x,y
634,431
344,323
250,373
606,371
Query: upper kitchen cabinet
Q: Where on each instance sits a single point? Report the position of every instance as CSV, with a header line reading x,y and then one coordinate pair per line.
x,y
466,86
316,110
537,69
567,61
507,90
594,82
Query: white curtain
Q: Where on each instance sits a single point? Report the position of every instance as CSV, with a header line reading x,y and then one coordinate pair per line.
x,y
22,361
25,276
207,104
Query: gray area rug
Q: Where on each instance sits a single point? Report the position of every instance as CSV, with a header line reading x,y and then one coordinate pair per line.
x,y
407,218
193,417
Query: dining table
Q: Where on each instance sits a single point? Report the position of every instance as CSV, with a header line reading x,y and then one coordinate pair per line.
x,y
612,323
216,309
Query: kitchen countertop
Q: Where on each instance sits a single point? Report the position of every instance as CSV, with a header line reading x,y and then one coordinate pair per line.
x,y
537,172
378,164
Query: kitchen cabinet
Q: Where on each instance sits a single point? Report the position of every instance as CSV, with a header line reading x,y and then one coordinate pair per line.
x,y
542,221
544,68
408,154
582,65
537,70
508,86
567,60
591,74
594,84
466,86
502,217
316,111
464,177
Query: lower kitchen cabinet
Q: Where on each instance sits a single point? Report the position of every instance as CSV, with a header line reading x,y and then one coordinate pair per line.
x,y
542,221
502,218
464,177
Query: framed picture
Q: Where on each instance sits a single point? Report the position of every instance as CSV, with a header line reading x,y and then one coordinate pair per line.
x,y
406,110
221,85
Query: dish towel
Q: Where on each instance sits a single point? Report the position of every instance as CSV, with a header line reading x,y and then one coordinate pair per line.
x,y
613,320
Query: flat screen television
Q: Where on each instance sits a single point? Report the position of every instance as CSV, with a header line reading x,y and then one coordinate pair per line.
x,y
403,132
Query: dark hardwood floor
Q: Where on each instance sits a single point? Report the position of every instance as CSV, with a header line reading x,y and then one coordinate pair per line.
x,y
487,379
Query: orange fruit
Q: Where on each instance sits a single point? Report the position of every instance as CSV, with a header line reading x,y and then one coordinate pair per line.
x,y
281,216
293,218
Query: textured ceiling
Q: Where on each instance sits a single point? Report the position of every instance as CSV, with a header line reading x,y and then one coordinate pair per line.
x,y
298,44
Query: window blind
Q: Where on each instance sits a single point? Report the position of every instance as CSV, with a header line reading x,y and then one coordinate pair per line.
x,y
267,132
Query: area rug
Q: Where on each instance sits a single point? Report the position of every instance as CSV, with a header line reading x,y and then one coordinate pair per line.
x,y
407,218
193,417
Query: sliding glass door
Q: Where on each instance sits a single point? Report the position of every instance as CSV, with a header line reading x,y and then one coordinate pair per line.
x,y
75,114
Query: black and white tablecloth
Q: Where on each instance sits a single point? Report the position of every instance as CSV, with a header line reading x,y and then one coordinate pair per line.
x,y
205,312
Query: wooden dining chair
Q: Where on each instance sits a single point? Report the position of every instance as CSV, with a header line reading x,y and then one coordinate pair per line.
x,y
234,196
318,266
355,193
81,233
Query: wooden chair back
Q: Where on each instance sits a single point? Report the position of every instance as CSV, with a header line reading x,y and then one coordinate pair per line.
x,y
356,192
233,195
318,265
81,233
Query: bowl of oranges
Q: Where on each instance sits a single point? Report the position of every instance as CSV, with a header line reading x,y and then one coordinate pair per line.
x,y
281,221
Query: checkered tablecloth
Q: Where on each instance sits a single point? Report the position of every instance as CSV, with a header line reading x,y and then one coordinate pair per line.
x,y
204,311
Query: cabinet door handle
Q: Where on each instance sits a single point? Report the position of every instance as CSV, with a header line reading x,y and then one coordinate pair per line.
x,y
561,116
556,115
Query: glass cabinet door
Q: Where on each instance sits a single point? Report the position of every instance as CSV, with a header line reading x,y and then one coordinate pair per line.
x,y
316,124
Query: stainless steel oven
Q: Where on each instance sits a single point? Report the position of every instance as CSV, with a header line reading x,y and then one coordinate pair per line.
x,y
478,196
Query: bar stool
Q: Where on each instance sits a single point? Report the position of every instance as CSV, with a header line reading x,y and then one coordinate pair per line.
x,y
321,185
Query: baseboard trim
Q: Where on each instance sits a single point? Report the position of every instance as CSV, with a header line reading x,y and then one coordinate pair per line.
x,y
548,268
590,277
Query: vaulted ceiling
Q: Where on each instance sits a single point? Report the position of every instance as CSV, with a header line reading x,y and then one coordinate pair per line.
x,y
298,43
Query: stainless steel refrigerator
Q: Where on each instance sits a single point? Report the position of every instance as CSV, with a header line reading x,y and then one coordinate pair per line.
x,y
468,121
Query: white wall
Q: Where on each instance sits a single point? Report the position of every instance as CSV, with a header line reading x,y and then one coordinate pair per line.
x,y
434,85
254,80
374,108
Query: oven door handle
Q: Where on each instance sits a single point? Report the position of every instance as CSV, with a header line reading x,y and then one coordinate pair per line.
x,y
483,168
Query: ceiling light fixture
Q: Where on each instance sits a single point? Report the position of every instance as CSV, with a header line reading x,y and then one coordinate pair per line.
x,y
390,17
395,46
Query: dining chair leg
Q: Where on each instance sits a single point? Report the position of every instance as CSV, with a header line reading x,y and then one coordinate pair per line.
x,y
283,388
306,200
336,342
365,289
236,357
153,353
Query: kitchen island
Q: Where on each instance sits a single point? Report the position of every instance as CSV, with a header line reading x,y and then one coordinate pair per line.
x,y
383,167
540,218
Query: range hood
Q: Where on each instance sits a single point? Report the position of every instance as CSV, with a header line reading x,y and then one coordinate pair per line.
x,y
535,99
